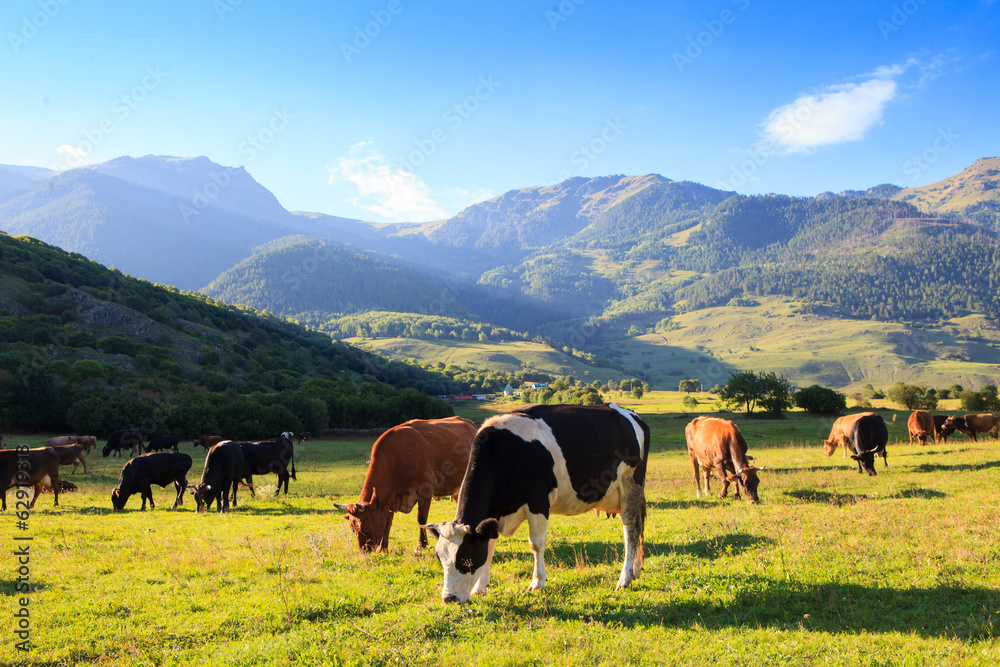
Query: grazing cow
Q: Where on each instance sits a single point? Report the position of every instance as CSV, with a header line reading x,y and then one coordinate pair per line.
x,y
162,442
64,487
268,456
29,467
410,464
970,425
208,441
62,440
869,436
223,469
302,437
72,454
920,425
542,460
140,473
717,444
840,433
130,438
939,421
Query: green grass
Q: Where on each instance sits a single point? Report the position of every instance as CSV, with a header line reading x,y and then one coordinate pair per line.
x,y
832,568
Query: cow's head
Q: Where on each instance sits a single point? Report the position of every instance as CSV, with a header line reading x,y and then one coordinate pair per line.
x,y
746,482
464,552
866,461
830,446
952,424
106,450
200,492
370,522
119,498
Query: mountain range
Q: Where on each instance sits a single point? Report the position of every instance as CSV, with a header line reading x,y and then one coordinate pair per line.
x,y
616,256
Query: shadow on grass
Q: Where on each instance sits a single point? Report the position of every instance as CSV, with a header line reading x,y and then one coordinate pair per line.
x,y
925,494
680,504
758,602
9,588
826,497
958,467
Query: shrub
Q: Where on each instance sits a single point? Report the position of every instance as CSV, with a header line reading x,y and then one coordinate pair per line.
x,y
820,400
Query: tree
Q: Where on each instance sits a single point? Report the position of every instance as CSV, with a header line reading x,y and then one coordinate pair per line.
x,y
769,391
688,386
913,397
690,402
820,400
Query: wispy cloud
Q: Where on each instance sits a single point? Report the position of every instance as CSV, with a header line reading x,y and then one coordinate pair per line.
x,y
72,155
832,115
393,193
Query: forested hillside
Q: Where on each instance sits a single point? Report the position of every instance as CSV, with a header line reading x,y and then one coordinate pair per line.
x,y
88,349
298,274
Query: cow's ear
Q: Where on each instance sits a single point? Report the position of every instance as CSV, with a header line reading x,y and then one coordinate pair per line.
x,y
115,493
432,528
488,528
732,478
855,457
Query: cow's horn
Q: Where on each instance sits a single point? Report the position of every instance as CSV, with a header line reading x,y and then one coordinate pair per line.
x,y
340,507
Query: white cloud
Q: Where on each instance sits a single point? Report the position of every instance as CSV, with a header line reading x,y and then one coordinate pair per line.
x,y
832,115
73,155
391,192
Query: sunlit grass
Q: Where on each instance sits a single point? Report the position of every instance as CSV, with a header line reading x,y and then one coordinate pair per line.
x,y
832,568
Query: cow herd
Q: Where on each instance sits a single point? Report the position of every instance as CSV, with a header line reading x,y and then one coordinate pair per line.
x,y
518,467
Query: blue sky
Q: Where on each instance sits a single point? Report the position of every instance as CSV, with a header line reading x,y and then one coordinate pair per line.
x,y
411,110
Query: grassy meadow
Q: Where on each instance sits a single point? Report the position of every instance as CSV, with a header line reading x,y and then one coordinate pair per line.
x,y
831,568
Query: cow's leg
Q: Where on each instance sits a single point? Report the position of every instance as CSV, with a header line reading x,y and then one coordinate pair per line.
x,y
721,472
538,528
181,484
697,476
633,515
423,509
885,458
38,490
249,480
484,574
843,444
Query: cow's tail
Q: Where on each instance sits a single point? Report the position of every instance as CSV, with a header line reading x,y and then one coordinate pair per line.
x,y
639,475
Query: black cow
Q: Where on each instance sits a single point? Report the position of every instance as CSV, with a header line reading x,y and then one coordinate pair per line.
x,y
140,473
223,469
163,442
268,456
129,438
939,421
302,437
869,436
546,459
24,467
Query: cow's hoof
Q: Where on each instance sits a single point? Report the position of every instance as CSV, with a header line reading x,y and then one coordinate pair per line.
x,y
537,586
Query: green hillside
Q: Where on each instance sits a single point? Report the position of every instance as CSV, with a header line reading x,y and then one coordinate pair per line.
x,y
298,274
87,349
974,193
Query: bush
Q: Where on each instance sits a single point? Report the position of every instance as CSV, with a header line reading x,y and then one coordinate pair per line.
x,y
820,400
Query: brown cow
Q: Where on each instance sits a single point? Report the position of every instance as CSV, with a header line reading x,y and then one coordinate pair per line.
x,y
920,425
840,434
29,467
72,454
410,464
717,444
208,441
61,440
970,425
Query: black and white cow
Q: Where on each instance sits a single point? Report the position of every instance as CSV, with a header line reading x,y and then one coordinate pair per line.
x,y
869,436
546,459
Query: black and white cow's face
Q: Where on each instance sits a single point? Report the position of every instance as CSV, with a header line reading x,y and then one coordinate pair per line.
x,y
464,554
